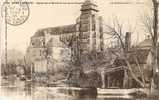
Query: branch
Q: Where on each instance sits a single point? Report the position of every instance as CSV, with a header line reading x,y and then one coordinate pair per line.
x,y
132,73
140,70
117,31
148,24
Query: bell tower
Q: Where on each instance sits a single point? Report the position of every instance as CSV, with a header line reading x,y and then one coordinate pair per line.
x,y
89,27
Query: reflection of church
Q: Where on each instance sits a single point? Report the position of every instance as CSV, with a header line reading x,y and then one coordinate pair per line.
x,y
63,43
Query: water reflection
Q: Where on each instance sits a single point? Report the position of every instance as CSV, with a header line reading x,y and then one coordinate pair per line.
x,y
29,91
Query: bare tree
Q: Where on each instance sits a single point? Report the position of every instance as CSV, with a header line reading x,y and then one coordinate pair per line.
x,y
150,23
117,31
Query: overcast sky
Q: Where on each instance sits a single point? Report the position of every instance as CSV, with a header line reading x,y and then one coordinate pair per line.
x,y
42,16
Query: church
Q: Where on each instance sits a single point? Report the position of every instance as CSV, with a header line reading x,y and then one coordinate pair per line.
x,y
58,46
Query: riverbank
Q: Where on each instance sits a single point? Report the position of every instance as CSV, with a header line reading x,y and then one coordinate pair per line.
x,y
68,92
76,91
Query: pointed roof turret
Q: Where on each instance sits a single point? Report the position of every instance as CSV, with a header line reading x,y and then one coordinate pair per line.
x,y
89,5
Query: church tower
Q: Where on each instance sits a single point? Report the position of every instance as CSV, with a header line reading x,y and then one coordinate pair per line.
x,y
90,35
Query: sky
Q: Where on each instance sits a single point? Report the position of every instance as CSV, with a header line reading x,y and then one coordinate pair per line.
x,y
42,16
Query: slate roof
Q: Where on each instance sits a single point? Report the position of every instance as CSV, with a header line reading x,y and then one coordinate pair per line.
x,y
56,30
141,55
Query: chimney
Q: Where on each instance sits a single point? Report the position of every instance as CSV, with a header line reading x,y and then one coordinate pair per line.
x,y
127,41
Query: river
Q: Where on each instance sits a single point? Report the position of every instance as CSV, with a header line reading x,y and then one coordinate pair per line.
x,y
25,91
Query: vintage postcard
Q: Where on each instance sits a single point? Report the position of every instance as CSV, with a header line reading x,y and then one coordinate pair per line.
x,y
79,50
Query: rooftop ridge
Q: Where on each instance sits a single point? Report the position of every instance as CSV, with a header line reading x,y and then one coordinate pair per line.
x,y
56,30
56,27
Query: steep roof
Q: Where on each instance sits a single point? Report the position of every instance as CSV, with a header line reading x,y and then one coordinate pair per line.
x,y
141,55
145,43
56,30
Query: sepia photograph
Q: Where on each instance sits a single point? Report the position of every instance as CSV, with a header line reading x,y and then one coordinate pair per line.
x,y
79,50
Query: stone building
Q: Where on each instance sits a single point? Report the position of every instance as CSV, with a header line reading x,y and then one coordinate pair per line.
x,y
61,45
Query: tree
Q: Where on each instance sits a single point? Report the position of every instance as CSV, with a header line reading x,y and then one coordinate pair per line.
x,y
150,23
117,32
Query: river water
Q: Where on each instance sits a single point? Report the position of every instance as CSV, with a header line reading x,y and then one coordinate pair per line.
x,y
25,91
